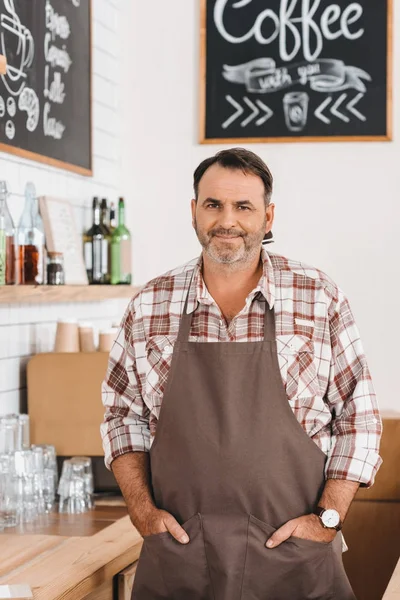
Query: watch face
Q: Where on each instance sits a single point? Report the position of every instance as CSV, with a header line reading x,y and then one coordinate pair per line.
x,y
330,518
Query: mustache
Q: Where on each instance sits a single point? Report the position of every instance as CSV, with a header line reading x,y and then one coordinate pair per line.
x,y
227,232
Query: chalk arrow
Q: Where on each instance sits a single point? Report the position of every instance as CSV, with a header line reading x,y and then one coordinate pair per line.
x,y
256,107
253,114
353,110
267,110
321,107
236,115
334,109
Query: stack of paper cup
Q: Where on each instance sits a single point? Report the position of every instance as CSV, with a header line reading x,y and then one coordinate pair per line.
x,y
67,336
86,341
107,338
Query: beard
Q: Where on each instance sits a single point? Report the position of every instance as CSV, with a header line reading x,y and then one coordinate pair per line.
x,y
243,250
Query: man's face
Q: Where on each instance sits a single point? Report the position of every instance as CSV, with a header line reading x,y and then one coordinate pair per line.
x,y
230,217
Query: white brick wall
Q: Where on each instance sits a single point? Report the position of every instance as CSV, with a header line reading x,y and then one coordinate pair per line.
x,y
28,329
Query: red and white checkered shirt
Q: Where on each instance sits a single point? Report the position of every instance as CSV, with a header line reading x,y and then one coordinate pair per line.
x,y
323,367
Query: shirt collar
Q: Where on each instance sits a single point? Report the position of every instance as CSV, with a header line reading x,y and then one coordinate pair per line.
x,y
198,291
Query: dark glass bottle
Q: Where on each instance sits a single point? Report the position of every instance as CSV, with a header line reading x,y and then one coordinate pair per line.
x,y
87,244
113,218
97,264
104,222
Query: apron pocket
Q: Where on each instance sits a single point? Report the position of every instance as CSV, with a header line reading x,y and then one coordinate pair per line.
x,y
297,569
170,570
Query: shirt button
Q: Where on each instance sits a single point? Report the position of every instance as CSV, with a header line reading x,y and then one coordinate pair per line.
x,y
168,349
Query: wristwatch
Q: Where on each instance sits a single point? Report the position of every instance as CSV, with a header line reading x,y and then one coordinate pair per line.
x,y
330,518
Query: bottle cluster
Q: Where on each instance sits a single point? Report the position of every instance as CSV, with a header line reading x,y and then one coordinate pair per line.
x,y
22,248
107,245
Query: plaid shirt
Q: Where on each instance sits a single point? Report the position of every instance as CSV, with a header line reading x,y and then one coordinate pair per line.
x,y
323,367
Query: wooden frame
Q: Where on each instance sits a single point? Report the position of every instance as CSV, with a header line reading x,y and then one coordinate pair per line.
x,y
251,140
54,162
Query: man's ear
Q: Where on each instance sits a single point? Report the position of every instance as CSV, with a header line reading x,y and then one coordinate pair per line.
x,y
193,206
270,213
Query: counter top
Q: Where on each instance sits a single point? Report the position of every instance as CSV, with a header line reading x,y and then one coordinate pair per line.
x,y
70,556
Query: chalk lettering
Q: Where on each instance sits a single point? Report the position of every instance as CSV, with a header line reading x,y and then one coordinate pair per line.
x,y
304,33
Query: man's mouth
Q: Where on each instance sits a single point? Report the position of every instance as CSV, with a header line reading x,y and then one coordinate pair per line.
x,y
226,237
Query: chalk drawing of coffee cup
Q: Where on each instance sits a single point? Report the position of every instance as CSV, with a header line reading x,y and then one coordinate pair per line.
x,y
17,45
295,108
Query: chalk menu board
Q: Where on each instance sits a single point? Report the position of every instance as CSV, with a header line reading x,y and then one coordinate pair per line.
x,y
45,96
295,70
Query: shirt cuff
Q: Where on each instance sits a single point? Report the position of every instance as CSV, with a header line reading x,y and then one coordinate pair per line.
x,y
361,466
123,439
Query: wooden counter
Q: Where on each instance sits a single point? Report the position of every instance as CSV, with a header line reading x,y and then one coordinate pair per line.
x,y
71,557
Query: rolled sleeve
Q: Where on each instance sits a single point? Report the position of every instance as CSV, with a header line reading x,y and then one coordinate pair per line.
x,y
125,427
356,424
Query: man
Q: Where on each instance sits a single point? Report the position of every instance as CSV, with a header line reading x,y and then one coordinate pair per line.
x,y
240,414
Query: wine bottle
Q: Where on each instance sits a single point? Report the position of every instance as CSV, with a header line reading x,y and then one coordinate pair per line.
x,y
104,220
87,244
99,248
113,218
121,272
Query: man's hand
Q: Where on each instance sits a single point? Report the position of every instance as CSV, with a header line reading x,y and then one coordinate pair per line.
x,y
308,527
158,521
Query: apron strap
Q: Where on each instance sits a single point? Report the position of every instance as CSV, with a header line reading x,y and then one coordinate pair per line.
x,y
269,323
186,320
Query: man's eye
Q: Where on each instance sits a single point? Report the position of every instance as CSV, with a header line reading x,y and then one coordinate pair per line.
x,y
244,207
212,205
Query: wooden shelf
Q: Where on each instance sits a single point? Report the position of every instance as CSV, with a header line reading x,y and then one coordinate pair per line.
x,y
35,294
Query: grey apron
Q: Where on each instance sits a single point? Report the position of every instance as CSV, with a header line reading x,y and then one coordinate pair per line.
x,y
231,463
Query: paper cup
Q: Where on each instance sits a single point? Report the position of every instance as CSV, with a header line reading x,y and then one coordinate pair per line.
x,y
86,340
67,336
106,339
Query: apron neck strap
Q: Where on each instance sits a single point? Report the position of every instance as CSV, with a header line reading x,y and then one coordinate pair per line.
x,y
186,321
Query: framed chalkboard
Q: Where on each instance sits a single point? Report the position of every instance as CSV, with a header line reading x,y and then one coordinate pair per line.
x,y
295,70
45,95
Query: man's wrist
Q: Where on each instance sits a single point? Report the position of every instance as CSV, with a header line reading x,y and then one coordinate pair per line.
x,y
338,494
329,518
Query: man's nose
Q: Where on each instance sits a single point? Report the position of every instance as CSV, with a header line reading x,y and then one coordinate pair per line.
x,y
227,218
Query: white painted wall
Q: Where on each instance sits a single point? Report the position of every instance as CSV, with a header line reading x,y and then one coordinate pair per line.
x,y
27,329
337,204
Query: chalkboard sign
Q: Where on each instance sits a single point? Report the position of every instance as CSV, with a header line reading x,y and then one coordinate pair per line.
x,y
295,70
45,96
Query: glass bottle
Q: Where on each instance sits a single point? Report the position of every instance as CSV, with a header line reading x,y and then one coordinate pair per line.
x,y
99,248
104,224
31,240
8,269
87,243
121,272
55,268
113,218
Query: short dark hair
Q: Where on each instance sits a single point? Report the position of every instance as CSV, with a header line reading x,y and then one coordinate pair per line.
x,y
237,159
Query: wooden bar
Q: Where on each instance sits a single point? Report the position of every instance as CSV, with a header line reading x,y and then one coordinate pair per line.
x,y
71,567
